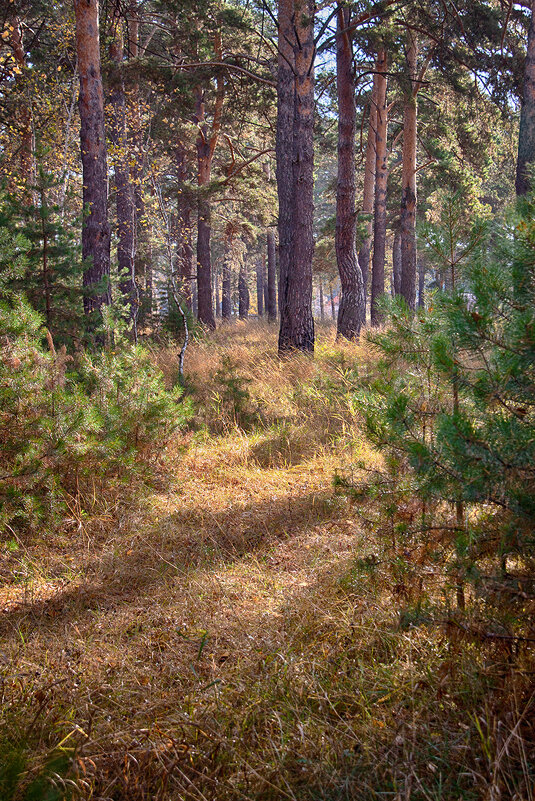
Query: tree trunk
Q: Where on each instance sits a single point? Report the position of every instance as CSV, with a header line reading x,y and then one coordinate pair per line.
x,y
396,263
333,310
123,187
243,291
216,293
408,192
352,309
295,179
95,230
271,304
184,228
526,134
226,300
369,185
421,285
381,176
260,287
266,291
322,301
204,229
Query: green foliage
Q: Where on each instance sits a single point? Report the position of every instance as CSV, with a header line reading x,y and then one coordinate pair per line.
x,y
66,421
453,402
50,271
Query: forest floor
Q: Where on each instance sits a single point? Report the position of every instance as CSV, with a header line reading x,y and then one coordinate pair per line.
x,y
224,630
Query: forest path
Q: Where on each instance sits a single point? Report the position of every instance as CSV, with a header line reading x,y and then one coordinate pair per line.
x,y
182,594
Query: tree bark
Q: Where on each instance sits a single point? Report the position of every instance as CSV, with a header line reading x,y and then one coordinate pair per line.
x,y
243,291
526,134
408,192
396,263
322,301
295,179
381,176
369,185
271,276
260,287
333,309
266,291
95,230
421,285
352,308
184,228
123,187
226,300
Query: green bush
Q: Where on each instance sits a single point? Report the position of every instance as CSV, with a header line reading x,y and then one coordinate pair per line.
x,y
68,420
453,406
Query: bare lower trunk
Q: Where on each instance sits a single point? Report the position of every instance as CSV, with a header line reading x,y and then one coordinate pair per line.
x,y
260,287
333,308
421,285
266,291
123,187
185,268
295,179
226,300
322,301
243,291
381,176
216,293
408,191
271,304
352,309
369,185
396,263
526,134
95,230
204,262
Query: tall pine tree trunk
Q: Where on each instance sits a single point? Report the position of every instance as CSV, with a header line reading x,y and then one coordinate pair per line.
x,y
408,192
184,228
204,222
352,309
260,287
369,185
123,187
243,290
322,301
396,263
271,276
526,134
381,177
295,179
226,299
95,230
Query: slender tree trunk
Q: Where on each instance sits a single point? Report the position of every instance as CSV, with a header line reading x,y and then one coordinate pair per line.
x,y
266,291
184,228
369,185
526,134
295,178
333,309
123,187
216,293
142,231
204,263
95,230
408,192
271,276
322,301
226,300
243,291
381,176
260,287
352,309
396,263
421,285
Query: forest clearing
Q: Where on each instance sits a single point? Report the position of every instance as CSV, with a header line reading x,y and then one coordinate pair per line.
x,y
234,627
267,400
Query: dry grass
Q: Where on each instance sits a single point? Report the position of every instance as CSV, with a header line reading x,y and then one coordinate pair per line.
x,y
219,634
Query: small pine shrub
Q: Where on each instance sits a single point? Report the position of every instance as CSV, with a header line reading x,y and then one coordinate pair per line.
x,y
68,420
452,406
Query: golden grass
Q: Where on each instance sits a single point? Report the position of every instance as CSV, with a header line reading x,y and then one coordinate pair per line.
x,y
215,636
